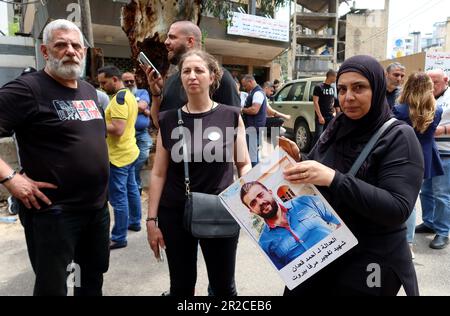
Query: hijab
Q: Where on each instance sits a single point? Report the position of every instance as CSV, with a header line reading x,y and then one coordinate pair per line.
x,y
351,135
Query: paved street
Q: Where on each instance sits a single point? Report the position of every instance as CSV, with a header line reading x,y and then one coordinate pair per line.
x,y
134,271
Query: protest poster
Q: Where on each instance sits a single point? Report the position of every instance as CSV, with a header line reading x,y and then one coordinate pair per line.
x,y
294,226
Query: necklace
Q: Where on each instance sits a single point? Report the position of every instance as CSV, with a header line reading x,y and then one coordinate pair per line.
x,y
212,106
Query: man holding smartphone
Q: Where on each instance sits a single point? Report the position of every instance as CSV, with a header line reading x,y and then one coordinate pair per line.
x,y
182,37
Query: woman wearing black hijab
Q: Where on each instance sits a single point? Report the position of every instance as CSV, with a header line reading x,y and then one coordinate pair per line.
x,y
376,202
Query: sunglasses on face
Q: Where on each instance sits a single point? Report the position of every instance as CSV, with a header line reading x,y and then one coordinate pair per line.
x,y
129,81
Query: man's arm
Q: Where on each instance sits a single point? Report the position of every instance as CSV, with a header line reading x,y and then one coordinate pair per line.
x,y
272,112
17,103
324,212
144,101
142,106
252,110
117,127
317,109
119,109
257,101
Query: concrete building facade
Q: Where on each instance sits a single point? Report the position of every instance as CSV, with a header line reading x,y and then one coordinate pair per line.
x,y
240,54
365,33
315,37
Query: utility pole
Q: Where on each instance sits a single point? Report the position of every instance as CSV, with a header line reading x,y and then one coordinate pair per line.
x,y
86,28
252,7
86,22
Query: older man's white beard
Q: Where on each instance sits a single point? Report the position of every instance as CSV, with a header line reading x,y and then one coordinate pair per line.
x,y
67,72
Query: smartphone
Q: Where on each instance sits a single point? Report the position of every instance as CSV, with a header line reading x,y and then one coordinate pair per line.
x,y
145,61
162,255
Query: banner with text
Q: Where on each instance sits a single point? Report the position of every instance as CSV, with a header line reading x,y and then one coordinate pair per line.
x,y
259,27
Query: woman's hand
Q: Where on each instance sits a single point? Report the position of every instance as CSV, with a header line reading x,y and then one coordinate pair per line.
x,y
311,172
155,238
290,147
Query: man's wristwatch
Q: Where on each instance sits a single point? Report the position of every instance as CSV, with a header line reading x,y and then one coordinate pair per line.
x,y
8,177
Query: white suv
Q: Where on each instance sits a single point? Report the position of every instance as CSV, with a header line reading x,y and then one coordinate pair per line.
x,y
296,99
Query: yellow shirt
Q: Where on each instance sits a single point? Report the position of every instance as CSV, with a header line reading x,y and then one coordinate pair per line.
x,y
122,149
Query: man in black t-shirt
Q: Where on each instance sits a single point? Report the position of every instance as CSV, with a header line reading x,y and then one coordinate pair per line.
x,y
182,37
323,99
62,188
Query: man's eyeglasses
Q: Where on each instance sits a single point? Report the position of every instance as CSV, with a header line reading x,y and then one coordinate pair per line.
x,y
129,81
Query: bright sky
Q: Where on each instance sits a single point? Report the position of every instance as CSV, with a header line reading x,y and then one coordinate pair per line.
x,y
406,16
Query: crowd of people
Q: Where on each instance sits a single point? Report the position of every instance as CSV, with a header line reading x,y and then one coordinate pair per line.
x,y
77,155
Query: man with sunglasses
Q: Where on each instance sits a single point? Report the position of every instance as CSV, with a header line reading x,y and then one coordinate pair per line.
x,y
143,123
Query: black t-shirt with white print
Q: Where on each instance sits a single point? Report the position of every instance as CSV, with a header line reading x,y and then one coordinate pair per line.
x,y
325,92
60,133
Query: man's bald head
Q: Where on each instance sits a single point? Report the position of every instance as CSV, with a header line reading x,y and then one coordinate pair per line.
x,y
189,28
182,37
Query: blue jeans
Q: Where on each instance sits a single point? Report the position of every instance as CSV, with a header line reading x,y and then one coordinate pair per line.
x,y
125,199
435,198
144,142
411,226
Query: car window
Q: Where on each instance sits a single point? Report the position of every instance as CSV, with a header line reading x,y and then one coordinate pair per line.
x,y
311,88
299,91
283,95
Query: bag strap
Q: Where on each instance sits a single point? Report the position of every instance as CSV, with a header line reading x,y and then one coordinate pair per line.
x,y
187,182
369,146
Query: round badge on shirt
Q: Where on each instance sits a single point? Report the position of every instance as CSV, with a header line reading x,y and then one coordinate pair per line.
x,y
213,136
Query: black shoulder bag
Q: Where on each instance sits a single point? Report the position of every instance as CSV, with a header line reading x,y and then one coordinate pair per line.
x,y
204,214
369,146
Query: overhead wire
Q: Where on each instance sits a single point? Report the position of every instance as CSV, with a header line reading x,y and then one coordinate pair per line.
x,y
412,14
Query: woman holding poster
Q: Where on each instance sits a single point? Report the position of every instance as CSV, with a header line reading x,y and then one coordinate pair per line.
x,y
375,203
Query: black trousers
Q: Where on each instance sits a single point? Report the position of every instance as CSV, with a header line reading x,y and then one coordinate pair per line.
x,y
182,252
56,238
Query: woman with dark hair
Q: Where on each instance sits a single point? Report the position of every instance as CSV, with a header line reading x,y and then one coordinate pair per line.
x,y
376,202
417,107
212,157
